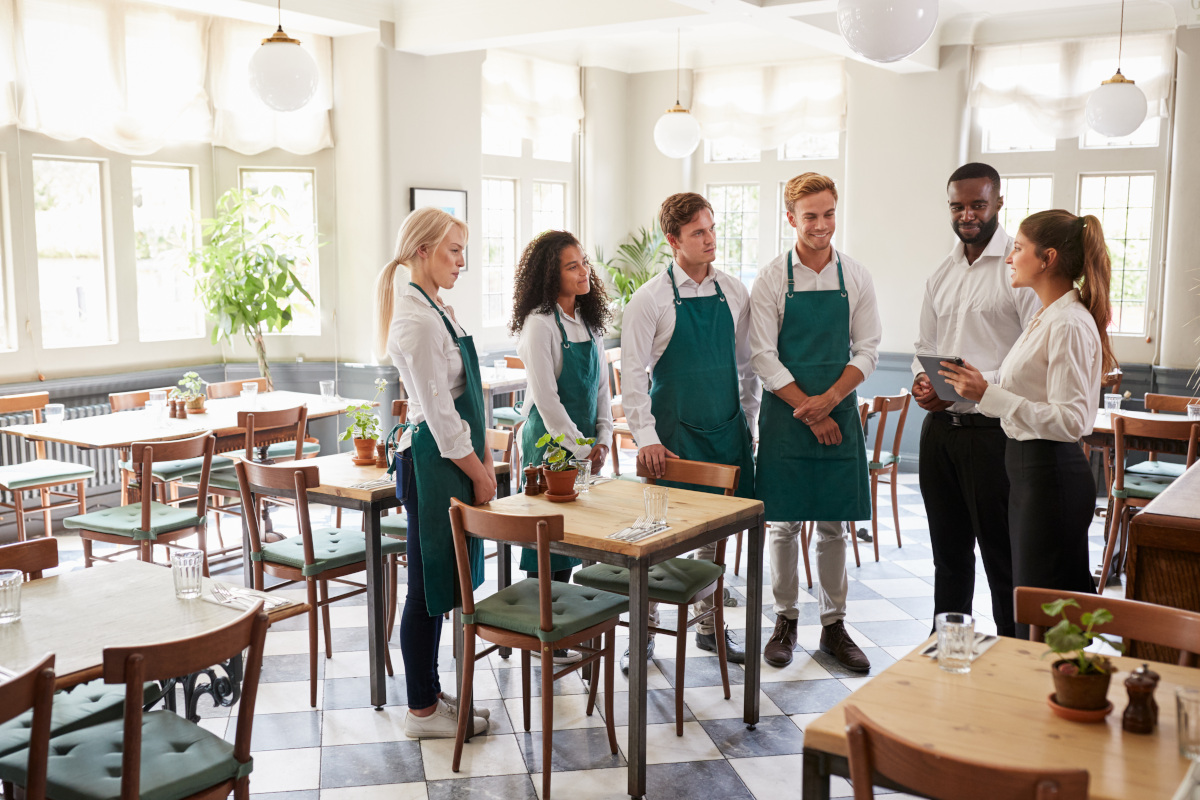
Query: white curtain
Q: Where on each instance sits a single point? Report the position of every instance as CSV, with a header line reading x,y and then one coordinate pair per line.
x,y
8,66
766,106
1049,82
530,98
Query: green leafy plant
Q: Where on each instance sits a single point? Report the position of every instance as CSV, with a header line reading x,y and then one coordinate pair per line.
x,y
645,255
244,272
557,459
191,385
364,424
1069,640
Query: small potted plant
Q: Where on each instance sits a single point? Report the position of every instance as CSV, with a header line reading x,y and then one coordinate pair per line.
x,y
364,428
1081,679
557,465
191,390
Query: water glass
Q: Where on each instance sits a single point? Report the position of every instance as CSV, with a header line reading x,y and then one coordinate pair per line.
x,y
186,568
655,498
53,413
955,641
1193,410
1112,402
584,476
500,363
327,389
10,595
1187,708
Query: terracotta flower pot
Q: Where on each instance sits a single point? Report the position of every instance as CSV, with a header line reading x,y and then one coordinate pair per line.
x,y
561,483
1085,692
364,449
195,405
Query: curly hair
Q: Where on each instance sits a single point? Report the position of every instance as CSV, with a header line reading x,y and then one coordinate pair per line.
x,y
536,285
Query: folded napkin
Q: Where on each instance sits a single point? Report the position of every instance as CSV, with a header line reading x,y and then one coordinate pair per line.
x,y
982,642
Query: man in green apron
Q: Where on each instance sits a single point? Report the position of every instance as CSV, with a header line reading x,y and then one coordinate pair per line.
x,y
815,335
688,387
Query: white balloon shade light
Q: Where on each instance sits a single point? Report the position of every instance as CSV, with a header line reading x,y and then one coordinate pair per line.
x,y
677,134
886,30
282,73
1118,107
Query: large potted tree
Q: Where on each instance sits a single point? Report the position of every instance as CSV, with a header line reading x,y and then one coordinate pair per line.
x,y
244,272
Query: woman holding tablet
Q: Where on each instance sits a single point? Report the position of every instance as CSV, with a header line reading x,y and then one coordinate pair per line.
x,y
441,453
1046,396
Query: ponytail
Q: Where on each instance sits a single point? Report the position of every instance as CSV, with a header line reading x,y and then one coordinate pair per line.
x,y
385,302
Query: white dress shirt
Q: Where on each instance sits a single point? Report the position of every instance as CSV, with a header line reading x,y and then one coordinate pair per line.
x,y
647,327
540,348
972,311
431,368
767,307
1050,379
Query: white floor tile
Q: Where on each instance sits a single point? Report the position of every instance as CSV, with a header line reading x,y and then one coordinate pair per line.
x,y
570,711
395,791
483,755
285,697
664,747
854,684
874,611
804,720
771,777
286,770
588,784
708,702
363,726
357,663
284,643
803,668
899,587
922,567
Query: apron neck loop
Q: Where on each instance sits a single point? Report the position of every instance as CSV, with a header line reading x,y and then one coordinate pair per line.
x,y
566,343
791,282
435,307
674,288
841,280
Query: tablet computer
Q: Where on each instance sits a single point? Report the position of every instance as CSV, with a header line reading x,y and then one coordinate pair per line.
x,y
932,364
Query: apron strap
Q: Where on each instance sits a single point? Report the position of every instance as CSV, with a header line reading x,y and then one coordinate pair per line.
x,y
566,343
791,280
792,283
674,288
435,307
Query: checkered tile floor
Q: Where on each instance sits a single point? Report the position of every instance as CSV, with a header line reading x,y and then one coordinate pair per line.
x,y
345,749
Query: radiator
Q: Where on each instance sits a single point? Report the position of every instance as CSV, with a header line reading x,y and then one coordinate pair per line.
x,y
14,449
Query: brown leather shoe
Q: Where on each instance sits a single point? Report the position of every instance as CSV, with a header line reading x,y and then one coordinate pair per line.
x,y
837,643
778,652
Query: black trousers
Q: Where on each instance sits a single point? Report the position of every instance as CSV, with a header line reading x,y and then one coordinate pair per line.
x,y
965,487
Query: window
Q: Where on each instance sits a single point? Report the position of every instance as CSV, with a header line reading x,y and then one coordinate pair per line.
x,y
500,140
499,247
549,207
163,229
1145,136
729,150
808,146
72,263
1007,131
293,191
735,207
1125,206
1022,197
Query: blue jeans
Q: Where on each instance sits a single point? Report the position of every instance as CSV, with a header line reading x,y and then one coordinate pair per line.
x,y
420,633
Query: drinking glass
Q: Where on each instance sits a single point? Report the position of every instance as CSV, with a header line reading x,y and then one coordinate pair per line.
x,y
1193,410
1112,402
10,595
327,389
1187,707
955,641
156,403
250,394
655,498
584,476
54,412
500,363
185,568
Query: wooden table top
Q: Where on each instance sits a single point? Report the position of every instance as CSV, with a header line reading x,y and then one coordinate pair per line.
x,y
499,381
341,477
77,614
609,507
998,713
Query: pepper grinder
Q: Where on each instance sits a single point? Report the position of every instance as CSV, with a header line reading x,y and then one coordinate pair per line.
x,y
531,481
543,484
1141,715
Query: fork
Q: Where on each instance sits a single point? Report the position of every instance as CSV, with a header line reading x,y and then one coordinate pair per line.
x,y
227,597
625,533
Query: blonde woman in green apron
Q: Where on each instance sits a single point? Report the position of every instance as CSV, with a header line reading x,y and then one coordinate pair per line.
x,y
815,332
560,311
441,453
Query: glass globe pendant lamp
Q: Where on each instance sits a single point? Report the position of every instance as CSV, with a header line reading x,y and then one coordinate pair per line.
x,y
282,73
886,30
1118,107
677,134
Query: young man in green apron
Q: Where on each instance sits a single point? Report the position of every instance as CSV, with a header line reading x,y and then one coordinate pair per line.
x,y
688,387
815,334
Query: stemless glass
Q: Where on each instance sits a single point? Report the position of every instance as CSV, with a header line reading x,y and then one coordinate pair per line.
x,y
655,499
584,476
1187,707
1193,410
10,595
1112,402
327,389
955,641
186,569
54,413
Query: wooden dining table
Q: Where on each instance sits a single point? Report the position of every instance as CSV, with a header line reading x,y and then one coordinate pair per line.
x,y
1102,433
504,380
998,713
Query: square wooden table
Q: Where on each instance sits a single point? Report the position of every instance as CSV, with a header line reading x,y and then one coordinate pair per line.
x,y
499,381
998,713
696,519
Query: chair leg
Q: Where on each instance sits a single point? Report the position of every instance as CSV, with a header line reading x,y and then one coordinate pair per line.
x,y
805,538
719,625
202,543
19,507
737,554
874,513
241,789
1114,533
391,584
464,695
609,648
854,541
613,453
47,522
525,687
895,506
593,684
681,626
87,551
324,587
312,642
547,718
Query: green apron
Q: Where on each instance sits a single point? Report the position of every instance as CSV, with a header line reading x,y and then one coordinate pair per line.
x,y
694,393
800,479
439,479
578,382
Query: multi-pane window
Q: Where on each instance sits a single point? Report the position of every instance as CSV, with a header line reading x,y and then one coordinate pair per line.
x,y
1125,206
1022,197
735,209
1145,136
164,234
549,207
807,146
499,247
296,197
718,151
72,262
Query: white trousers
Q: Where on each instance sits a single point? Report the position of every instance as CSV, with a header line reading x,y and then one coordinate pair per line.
x,y
708,553
831,569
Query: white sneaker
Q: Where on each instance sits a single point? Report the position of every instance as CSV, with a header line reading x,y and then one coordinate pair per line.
x,y
452,701
441,724
561,656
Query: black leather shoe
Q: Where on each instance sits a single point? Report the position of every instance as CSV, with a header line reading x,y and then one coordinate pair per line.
x,y
734,654
837,643
625,657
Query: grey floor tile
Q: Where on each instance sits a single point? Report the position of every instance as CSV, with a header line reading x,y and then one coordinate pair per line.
x,y
356,692
857,590
660,707
509,681
371,764
276,669
709,779
805,697
873,570
879,659
499,787
283,731
898,632
579,748
313,795
700,672
773,736
918,607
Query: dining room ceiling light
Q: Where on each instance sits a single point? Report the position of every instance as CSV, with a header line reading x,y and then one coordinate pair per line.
x,y
1118,107
677,134
886,30
282,73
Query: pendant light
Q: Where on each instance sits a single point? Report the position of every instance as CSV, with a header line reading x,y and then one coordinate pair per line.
x,y
282,73
677,134
886,30
1118,107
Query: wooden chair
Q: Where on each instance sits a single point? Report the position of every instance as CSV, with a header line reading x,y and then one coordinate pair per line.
x,y
393,525
1132,619
1171,404
32,557
314,558
680,582
1110,383
217,391
32,689
167,476
875,751
146,523
161,753
885,462
1131,491
41,474
533,614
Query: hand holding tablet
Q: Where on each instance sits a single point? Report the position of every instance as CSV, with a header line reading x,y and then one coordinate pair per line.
x,y
933,365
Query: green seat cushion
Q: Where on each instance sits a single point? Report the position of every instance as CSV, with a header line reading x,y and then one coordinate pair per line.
x,y
127,520
332,548
395,525
676,580
288,449
573,609
43,472
1156,469
1142,487
184,468
179,759
225,478
886,459
87,704
510,414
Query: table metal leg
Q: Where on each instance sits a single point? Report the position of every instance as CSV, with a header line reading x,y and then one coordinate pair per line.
x,y
504,578
489,402
639,609
376,604
815,782
247,570
754,587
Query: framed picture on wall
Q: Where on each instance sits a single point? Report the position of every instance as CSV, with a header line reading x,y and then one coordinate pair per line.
x,y
452,201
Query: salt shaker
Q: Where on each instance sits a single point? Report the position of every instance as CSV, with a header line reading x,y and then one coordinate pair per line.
x,y
531,481
543,484
1141,715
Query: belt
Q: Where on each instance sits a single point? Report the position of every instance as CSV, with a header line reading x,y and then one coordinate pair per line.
x,y
966,420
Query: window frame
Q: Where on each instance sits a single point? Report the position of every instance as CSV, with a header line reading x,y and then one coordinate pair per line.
x,y
708,187
505,297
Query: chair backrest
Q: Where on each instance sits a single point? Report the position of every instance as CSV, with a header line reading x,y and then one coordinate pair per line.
x,y
133,401
886,404
499,441
143,456
1171,403
701,473
277,480
516,450
1134,427
20,403
612,357
543,530
33,688
216,391
873,750
286,424
137,664
31,556
864,409
1110,383
1132,619
400,410
514,362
